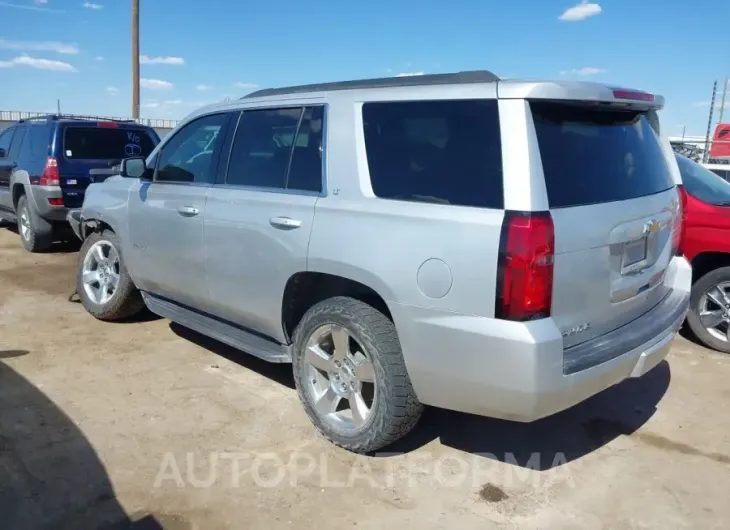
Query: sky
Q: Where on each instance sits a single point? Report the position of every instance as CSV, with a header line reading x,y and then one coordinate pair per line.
x,y
194,53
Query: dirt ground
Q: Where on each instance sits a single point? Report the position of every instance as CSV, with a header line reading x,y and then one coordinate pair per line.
x,y
147,425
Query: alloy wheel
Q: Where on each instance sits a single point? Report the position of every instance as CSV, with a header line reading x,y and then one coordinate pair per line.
x,y
100,272
340,378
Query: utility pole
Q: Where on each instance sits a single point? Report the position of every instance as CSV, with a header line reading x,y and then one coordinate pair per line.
x,y
135,59
706,154
722,101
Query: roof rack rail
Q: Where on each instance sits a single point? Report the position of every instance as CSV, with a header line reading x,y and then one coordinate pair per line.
x,y
54,117
474,76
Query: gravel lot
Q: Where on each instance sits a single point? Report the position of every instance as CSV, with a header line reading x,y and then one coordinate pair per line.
x,y
148,425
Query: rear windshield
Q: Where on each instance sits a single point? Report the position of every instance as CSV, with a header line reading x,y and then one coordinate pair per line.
x,y
100,143
445,152
702,183
597,156
722,173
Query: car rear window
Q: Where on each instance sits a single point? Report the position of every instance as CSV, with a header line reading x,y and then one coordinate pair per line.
x,y
703,183
597,156
445,151
101,143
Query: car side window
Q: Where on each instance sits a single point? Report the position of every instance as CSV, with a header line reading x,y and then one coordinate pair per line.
x,y
17,142
5,138
39,140
190,154
262,147
305,170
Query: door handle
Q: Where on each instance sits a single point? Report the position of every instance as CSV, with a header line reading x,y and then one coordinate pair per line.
x,y
285,223
188,211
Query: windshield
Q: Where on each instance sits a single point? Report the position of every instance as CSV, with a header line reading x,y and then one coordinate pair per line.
x,y
99,143
702,183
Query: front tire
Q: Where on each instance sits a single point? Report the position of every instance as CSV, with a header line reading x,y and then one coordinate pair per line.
x,y
351,377
36,234
103,284
709,309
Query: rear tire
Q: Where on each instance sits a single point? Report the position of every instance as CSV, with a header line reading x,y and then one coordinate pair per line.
x,y
371,373
710,337
36,234
98,271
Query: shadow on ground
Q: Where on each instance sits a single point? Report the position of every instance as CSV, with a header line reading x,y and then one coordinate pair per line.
x,y
542,445
50,476
279,372
69,244
553,441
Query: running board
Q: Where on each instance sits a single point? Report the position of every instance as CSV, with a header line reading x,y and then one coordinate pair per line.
x,y
8,217
219,330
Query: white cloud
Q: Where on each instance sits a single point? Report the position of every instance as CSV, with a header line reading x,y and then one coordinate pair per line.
x,y
143,59
201,87
41,64
112,90
89,5
580,11
155,84
40,2
245,85
39,46
150,105
408,74
31,7
586,70
718,102
99,58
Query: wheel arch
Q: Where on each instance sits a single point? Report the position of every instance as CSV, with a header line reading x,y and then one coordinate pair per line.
x,y
307,288
19,182
705,262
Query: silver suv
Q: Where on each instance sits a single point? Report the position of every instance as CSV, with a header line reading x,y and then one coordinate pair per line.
x,y
498,247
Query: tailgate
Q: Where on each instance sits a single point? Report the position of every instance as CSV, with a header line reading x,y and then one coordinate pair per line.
x,y
614,208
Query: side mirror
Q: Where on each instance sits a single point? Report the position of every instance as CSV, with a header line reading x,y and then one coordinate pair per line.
x,y
3,153
135,168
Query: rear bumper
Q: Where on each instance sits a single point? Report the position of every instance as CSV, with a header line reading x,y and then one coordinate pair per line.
x,y
517,371
40,196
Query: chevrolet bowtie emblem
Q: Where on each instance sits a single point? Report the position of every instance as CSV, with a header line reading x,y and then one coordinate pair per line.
x,y
651,227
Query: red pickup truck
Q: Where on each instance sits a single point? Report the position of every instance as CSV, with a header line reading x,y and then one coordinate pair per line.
x,y
706,244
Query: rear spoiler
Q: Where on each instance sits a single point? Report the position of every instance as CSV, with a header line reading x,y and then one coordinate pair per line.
x,y
589,93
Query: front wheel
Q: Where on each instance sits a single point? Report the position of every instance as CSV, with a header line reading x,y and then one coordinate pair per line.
x,y
103,284
351,377
709,312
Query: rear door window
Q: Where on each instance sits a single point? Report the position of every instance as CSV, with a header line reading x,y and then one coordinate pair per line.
x,y
17,142
102,143
597,156
6,137
278,149
445,152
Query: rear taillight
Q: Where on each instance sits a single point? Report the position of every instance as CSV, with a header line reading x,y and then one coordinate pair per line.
x,y
107,124
50,175
55,202
525,270
680,220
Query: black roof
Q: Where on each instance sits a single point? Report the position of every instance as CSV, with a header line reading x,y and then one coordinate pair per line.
x,y
475,76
